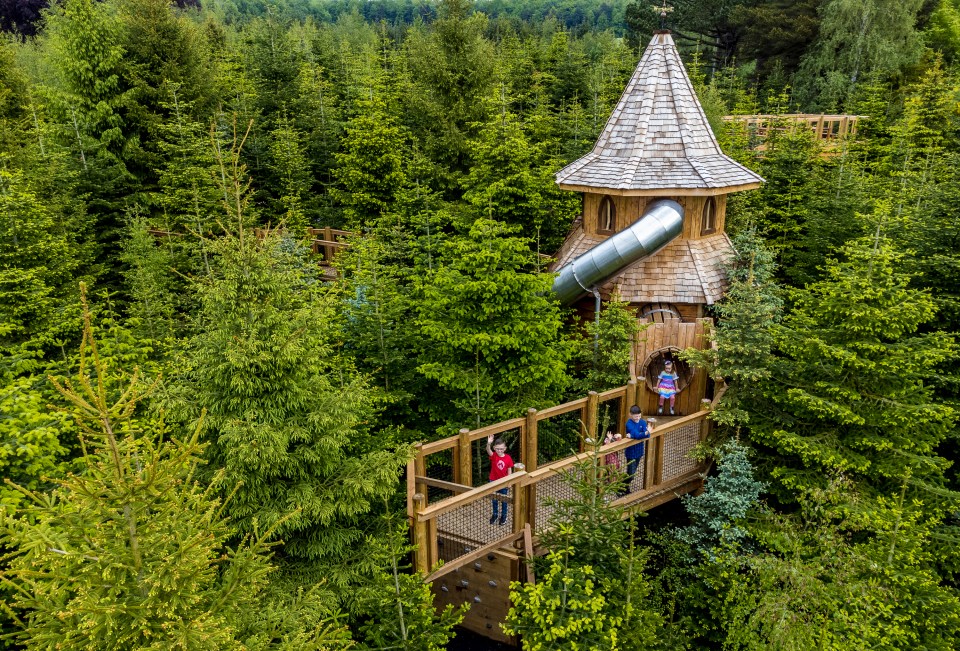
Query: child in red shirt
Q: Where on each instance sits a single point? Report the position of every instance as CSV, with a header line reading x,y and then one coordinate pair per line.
x,y
500,466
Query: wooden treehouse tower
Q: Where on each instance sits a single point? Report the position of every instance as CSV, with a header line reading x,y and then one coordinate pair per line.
x,y
654,200
663,257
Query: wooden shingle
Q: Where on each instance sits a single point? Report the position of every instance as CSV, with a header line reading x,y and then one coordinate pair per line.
x,y
657,140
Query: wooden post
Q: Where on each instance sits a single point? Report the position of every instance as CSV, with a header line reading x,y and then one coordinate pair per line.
x,y
707,425
520,504
530,462
649,460
465,458
641,394
590,418
530,441
420,465
421,554
629,399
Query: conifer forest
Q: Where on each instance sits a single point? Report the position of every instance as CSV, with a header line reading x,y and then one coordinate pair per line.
x,y
257,256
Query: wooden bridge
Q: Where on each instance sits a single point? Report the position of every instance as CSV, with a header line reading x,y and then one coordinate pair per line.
x,y
829,130
468,560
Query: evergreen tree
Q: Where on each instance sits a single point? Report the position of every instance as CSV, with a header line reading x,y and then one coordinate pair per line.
x,y
511,180
606,348
491,335
850,387
591,590
856,38
284,411
137,516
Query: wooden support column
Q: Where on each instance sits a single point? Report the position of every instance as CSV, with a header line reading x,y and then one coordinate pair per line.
x,y
422,551
649,458
530,441
640,396
520,504
420,465
707,425
465,458
629,399
530,461
590,418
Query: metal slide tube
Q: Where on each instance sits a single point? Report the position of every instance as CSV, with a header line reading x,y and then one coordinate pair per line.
x,y
662,222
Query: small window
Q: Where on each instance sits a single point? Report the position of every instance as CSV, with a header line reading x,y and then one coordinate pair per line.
x,y
607,217
708,222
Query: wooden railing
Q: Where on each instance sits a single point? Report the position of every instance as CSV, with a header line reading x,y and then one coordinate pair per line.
x,y
450,517
824,127
327,242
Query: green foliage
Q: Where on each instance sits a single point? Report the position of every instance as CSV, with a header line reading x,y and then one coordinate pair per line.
x,y
743,354
30,449
39,305
398,605
131,552
849,390
717,514
491,334
284,412
606,348
848,577
565,609
857,38
512,181
591,591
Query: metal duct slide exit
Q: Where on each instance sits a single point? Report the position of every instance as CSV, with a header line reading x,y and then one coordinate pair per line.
x,y
662,222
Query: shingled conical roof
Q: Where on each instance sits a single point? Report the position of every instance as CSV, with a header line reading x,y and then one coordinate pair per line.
x,y
658,140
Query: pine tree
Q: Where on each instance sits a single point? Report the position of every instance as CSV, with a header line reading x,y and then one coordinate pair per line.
x,y
491,335
131,552
850,387
284,411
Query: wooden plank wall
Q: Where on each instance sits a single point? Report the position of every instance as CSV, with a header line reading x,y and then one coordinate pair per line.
x,y
676,334
485,585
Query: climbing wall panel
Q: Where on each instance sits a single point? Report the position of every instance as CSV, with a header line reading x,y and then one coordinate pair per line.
x,y
485,585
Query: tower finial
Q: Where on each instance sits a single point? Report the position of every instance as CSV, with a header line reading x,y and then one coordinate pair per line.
x,y
663,10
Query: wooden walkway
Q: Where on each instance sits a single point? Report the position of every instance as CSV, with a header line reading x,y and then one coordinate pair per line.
x,y
451,519
465,558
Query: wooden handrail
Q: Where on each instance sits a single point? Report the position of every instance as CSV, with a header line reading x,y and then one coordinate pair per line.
x,y
496,428
476,554
566,407
439,446
444,485
610,394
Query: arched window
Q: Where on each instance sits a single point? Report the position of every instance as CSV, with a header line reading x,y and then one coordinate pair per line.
x,y
708,222
606,216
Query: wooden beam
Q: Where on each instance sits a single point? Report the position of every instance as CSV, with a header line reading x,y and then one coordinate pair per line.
x,y
445,485
476,554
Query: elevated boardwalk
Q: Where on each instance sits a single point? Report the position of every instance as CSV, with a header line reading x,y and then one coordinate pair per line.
x,y
830,130
449,500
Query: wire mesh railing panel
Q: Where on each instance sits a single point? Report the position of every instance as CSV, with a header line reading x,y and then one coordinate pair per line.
x,y
550,492
439,465
558,437
627,473
480,467
473,524
608,417
676,447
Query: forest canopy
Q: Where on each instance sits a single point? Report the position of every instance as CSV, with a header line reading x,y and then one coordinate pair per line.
x,y
203,430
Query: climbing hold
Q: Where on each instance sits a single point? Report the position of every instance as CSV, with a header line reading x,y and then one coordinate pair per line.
x,y
444,588
478,566
476,599
492,584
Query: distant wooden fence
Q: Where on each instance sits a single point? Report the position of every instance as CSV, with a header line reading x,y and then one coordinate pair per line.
x,y
824,127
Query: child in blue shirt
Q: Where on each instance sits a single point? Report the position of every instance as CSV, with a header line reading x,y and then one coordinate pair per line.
x,y
636,429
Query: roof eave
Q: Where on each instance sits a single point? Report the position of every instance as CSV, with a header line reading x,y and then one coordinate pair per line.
x,y
661,192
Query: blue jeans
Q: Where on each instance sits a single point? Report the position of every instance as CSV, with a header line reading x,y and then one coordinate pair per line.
x,y
497,504
632,465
